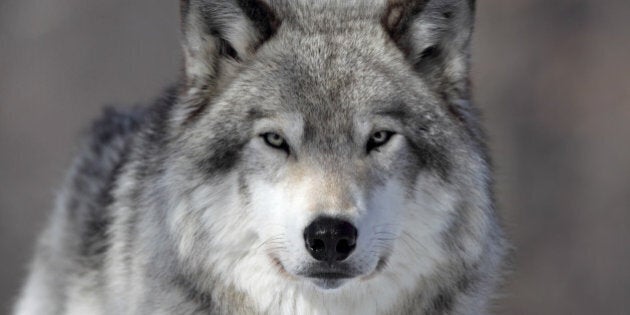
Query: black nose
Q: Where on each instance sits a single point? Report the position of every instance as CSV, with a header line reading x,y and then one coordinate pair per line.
x,y
329,239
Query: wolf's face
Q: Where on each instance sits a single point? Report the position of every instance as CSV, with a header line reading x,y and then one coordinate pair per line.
x,y
324,147
336,155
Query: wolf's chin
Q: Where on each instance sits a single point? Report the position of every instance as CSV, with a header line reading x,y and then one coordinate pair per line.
x,y
328,284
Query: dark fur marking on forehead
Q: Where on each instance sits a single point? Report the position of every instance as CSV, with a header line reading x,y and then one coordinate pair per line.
x,y
257,113
399,111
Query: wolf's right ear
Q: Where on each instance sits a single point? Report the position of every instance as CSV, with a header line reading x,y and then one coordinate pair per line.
x,y
220,34
435,36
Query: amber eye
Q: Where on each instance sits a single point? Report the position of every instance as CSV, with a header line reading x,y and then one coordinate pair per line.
x,y
275,141
378,139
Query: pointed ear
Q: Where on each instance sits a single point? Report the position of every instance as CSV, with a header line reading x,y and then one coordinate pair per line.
x,y
434,35
218,35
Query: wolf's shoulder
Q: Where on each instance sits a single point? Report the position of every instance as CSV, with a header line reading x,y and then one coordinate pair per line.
x,y
103,151
107,146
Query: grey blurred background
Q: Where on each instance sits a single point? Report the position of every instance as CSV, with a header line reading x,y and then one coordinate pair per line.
x,y
552,77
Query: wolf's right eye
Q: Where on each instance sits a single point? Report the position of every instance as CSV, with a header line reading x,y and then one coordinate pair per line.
x,y
275,141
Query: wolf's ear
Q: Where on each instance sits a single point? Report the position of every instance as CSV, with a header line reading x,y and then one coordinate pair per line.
x,y
218,35
434,35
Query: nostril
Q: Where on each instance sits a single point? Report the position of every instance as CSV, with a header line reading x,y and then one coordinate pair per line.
x,y
344,247
317,245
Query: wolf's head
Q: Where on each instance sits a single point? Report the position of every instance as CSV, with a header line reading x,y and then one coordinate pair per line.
x,y
327,143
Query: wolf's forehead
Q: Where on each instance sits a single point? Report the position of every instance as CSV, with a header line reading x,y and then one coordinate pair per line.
x,y
332,83
334,96
334,70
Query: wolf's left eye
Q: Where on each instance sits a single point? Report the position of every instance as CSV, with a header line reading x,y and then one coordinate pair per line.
x,y
275,141
378,139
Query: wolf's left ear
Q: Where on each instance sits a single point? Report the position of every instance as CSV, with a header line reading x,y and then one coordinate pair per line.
x,y
435,37
220,34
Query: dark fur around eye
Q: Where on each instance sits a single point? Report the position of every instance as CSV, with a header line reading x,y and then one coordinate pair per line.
x,y
372,144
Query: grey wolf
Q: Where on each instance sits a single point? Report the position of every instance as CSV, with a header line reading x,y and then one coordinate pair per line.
x,y
315,157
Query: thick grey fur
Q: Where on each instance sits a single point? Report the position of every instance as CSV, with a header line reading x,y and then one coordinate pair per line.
x,y
329,61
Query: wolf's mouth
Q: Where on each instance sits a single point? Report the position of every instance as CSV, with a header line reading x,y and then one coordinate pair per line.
x,y
330,275
328,279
